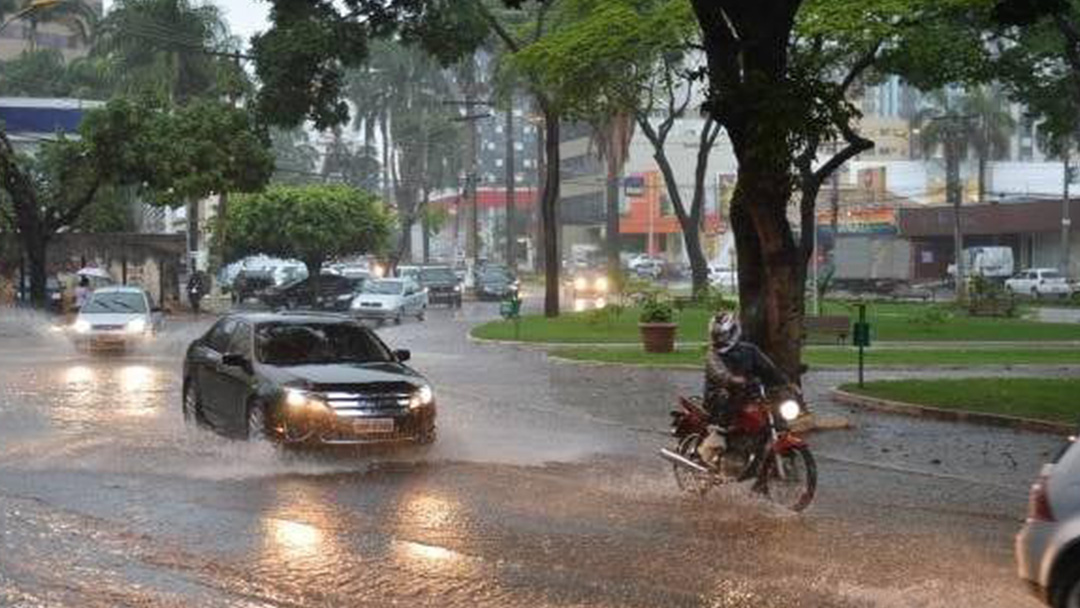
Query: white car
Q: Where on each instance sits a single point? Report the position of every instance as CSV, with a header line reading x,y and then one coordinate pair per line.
x,y
383,299
724,278
116,318
1039,282
1048,546
641,258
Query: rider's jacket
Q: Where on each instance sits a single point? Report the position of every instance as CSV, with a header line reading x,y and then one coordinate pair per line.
x,y
742,359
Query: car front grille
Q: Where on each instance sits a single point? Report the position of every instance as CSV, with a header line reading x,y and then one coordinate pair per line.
x,y
383,399
108,327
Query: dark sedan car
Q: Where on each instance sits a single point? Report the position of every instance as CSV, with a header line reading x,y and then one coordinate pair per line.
x,y
496,283
305,379
336,293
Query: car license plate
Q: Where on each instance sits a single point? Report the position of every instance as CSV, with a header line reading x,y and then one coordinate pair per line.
x,y
374,425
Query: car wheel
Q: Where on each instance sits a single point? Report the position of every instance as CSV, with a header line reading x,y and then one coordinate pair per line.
x,y
256,423
192,409
1035,293
420,314
1066,587
398,317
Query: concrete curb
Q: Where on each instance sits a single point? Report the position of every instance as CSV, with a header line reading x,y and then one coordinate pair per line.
x,y
881,369
921,411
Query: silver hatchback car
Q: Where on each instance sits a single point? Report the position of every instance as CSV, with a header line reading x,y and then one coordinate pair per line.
x,y
1048,546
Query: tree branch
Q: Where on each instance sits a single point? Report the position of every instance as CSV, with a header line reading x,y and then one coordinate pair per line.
x,y
860,66
500,31
73,213
540,21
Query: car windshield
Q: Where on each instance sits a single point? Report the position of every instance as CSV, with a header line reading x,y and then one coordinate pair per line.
x,y
384,288
118,302
437,274
287,344
495,275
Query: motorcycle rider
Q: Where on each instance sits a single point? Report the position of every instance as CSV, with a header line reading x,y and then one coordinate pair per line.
x,y
732,369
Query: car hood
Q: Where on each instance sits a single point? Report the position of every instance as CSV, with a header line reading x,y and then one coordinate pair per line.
x,y
111,318
388,301
341,373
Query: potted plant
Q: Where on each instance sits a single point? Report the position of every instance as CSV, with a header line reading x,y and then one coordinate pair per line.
x,y
657,325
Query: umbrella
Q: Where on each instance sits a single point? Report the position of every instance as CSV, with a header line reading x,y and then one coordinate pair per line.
x,y
97,273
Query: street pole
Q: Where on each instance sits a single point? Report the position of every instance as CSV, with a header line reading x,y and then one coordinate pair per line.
x,y
952,179
511,175
1066,221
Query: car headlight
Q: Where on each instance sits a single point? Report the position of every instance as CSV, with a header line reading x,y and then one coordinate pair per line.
x,y
299,401
602,284
81,326
136,326
423,396
457,288
790,410
581,283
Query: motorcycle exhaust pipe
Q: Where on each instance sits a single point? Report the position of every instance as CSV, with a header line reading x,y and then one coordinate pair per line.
x,y
677,459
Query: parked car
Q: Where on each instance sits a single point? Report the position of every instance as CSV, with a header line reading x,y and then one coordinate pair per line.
x,y
250,284
1039,282
1048,546
640,259
441,283
384,299
496,283
116,318
304,379
726,279
650,269
54,295
336,293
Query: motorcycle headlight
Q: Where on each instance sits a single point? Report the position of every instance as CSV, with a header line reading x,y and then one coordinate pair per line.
x,y
581,284
790,410
136,326
602,284
423,396
81,326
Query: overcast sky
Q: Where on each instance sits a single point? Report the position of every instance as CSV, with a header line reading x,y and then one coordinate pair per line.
x,y
245,17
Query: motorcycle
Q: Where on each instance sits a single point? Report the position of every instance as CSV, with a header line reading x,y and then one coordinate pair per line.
x,y
758,447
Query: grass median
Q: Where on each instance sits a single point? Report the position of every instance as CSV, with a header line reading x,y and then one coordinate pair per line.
x,y
889,323
1052,399
817,357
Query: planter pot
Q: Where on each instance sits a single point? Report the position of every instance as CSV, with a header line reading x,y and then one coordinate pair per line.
x,y
658,337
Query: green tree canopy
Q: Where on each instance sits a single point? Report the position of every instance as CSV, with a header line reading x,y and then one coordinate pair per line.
x,y
311,223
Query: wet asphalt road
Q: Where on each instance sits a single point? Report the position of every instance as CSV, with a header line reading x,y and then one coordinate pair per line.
x,y
543,490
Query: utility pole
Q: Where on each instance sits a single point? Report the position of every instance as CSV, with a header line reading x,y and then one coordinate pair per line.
x,y
511,175
1066,221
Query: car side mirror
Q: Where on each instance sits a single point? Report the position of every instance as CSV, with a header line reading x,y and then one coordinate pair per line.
x,y
236,360
402,355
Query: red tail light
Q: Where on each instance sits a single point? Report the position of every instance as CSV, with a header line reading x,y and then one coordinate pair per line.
x,y
1039,502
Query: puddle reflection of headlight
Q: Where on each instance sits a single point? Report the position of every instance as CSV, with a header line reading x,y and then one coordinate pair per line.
x,y
295,539
134,378
79,374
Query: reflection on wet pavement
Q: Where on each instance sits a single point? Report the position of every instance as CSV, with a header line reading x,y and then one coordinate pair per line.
x,y
543,490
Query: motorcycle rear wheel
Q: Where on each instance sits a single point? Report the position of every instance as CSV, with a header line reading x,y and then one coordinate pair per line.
x,y
691,482
796,489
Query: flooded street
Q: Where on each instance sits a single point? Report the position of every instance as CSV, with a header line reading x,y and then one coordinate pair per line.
x,y
543,490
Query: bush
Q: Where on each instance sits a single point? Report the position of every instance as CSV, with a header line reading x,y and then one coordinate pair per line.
x,y
655,310
932,315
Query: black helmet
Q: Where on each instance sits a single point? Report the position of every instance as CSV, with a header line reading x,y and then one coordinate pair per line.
x,y
724,330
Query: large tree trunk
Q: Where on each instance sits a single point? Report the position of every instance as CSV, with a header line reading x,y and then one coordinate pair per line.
x,y
314,268
36,255
770,275
549,211
541,183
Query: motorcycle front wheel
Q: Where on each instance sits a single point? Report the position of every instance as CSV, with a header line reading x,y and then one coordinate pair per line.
x,y
793,484
689,481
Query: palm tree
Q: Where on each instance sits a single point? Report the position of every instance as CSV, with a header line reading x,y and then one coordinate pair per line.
x,y
983,122
168,48
77,16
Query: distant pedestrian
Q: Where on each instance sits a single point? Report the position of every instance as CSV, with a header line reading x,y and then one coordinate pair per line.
x,y
197,288
82,292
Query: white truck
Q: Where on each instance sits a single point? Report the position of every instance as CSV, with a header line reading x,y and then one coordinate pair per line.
x,y
994,263
871,262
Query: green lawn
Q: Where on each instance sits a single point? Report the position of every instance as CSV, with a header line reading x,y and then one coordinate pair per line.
x,y
889,322
1052,399
842,357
